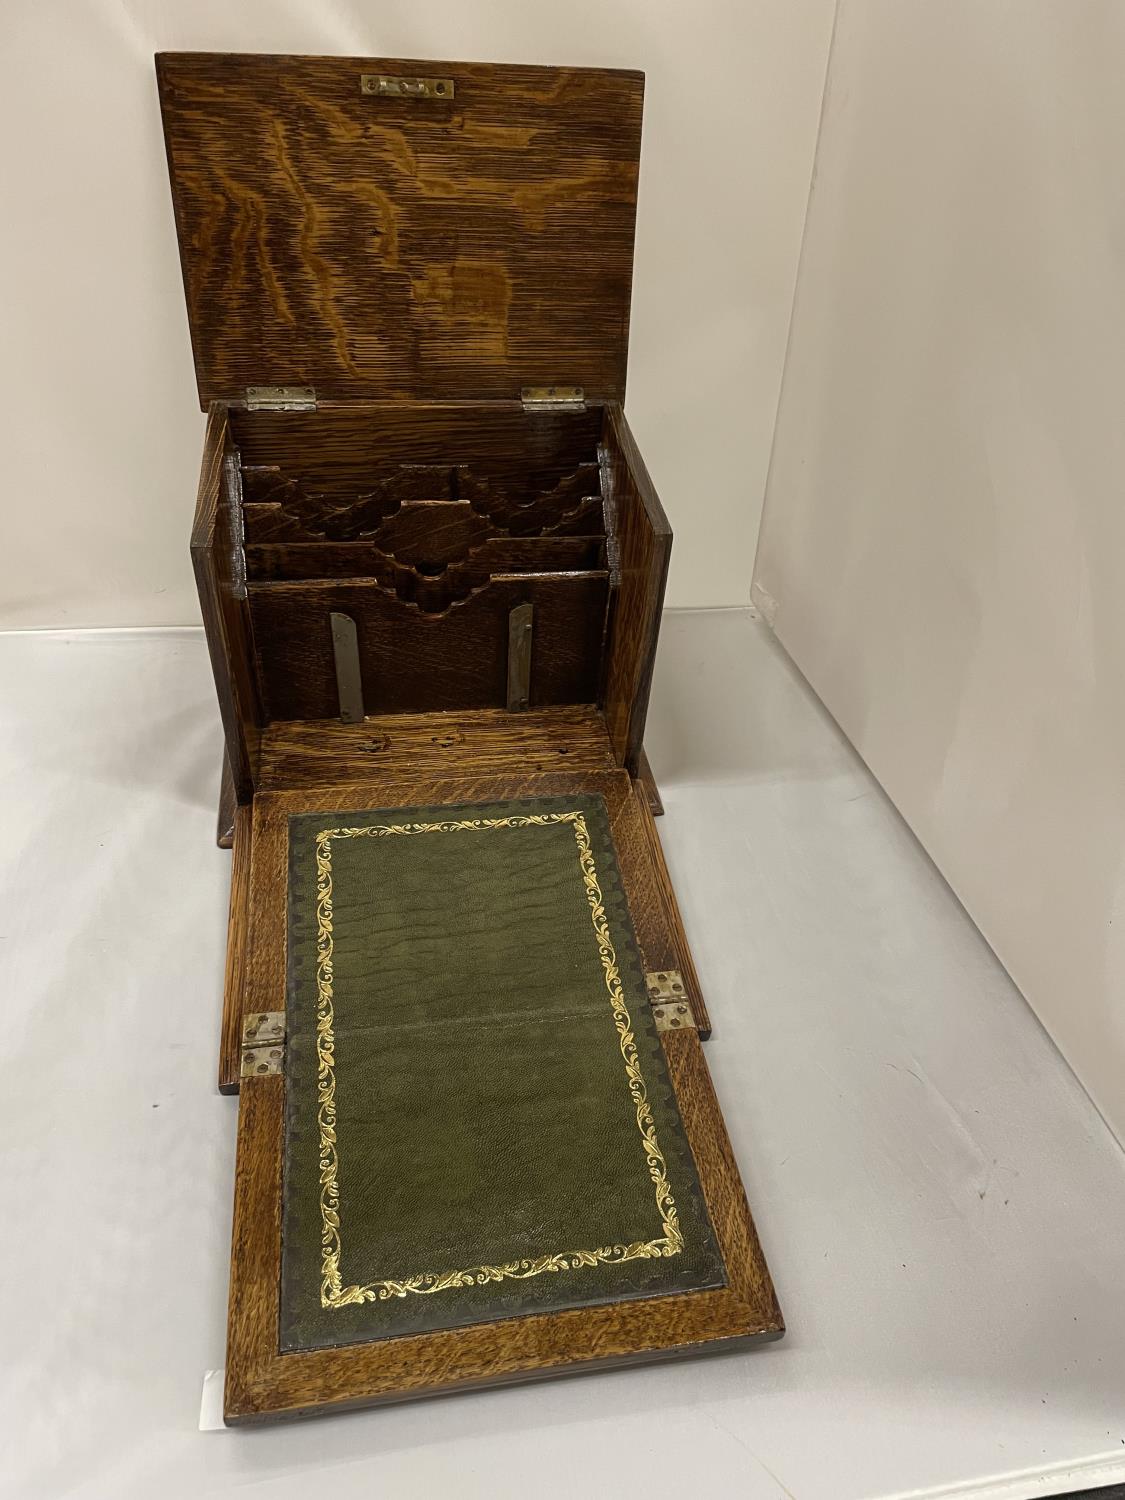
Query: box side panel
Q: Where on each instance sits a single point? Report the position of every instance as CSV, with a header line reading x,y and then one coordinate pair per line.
x,y
216,551
644,545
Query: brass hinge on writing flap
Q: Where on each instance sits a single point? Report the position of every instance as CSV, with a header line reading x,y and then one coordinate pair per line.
x,y
553,398
263,1043
280,398
668,997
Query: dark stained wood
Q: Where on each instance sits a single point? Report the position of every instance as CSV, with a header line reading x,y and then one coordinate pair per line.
x,y
291,561
230,1041
261,1383
644,543
488,742
403,249
270,494
430,582
228,801
341,448
648,785
427,533
570,506
538,501
434,594
216,555
413,661
264,484
269,521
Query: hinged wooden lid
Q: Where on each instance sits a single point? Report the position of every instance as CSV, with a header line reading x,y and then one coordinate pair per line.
x,y
385,230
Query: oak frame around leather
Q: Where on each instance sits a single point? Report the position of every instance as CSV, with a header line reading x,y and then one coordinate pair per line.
x,y
262,1383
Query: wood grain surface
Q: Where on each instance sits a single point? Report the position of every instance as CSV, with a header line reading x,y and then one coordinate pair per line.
x,y
644,545
228,801
234,978
648,783
428,527
216,555
430,533
403,249
260,1382
290,561
452,585
485,742
339,448
412,661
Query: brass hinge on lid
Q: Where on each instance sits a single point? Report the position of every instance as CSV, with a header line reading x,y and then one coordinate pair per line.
x,y
280,398
553,398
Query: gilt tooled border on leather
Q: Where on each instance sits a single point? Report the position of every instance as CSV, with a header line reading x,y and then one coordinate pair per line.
x,y
667,1159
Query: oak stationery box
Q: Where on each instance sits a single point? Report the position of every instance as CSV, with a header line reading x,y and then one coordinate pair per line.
x,y
477,1138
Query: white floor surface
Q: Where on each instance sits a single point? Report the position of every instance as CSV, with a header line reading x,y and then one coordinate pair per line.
x,y
942,1208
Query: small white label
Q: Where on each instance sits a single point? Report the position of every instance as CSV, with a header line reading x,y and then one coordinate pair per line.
x,y
211,1404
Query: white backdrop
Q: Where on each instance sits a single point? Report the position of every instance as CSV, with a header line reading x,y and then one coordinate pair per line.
x,y
942,545
96,383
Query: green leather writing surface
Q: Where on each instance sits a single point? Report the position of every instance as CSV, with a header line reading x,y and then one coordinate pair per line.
x,y
479,1122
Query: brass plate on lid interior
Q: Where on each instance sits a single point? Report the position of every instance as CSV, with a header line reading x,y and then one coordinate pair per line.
x,y
388,86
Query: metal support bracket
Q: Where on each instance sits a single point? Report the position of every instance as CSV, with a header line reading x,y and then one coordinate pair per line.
x,y
519,657
667,995
349,679
263,1043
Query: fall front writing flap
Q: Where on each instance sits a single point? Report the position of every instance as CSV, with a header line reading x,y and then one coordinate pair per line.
x,y
390,230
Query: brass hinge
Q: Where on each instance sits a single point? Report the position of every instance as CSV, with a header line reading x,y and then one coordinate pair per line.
x,y
553,398
280,398
263,1043
668,997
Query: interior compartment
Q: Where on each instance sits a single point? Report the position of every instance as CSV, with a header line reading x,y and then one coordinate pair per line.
x,y
280,508
410,660
432,529
406,568
426,528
